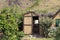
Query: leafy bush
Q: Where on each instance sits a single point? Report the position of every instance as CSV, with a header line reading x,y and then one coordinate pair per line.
x,y
8,25
57,37
52,32
45,23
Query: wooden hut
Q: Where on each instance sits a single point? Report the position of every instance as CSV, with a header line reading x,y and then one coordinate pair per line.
x,y
31,24
56,19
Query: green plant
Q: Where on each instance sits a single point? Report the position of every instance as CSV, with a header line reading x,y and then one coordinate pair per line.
x,y
57,37
45,23
8,25
52,32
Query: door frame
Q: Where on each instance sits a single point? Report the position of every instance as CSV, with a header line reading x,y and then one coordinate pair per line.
x,y
35,24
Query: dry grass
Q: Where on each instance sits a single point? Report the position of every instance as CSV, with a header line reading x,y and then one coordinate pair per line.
x,y
48,5
33,38
42,39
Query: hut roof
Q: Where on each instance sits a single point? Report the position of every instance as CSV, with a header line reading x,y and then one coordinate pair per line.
x,y
56,13
31,12
50,14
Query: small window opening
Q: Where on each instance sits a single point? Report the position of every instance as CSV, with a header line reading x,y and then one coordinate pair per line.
x,y
57,22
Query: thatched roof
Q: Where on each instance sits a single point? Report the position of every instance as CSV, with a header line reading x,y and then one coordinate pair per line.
x,y
50,14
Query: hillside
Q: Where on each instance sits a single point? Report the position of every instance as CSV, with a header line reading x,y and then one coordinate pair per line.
x,y
44,5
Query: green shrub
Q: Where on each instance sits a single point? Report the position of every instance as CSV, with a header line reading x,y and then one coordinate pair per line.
x,y
52,32
45,23
57,37
8,25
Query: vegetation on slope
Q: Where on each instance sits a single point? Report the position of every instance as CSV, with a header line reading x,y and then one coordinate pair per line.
x,y
9,24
